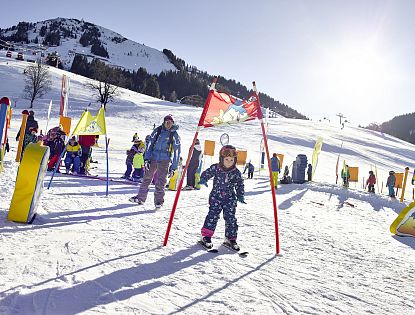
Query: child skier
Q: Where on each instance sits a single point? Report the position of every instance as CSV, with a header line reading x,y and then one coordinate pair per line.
x,y
390,183
371,181
73,153
275,167
138,162
130,158
193,166
345,174
228,188
56,145
250,168
30,137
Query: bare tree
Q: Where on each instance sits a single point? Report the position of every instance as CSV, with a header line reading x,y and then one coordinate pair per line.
x,y
108,81
37,81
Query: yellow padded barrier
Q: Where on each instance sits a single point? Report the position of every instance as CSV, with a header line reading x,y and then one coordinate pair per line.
x,y
29,183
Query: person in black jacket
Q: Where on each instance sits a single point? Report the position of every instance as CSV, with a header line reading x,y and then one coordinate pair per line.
x,y
309,172
30,124
193,165
56,145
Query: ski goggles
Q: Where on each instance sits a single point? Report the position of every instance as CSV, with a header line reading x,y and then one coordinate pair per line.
x,y
228,151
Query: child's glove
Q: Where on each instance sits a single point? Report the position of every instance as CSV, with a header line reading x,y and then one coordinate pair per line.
x,y
241,199
203,182
147,165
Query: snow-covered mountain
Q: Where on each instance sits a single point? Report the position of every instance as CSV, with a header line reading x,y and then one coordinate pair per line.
x,y
63,36
90,254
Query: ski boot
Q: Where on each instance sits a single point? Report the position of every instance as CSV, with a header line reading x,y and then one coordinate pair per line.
x,y
231,244
136,200
206,242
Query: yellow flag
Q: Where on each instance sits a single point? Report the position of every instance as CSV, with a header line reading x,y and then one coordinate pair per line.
x,y
316,152
91,125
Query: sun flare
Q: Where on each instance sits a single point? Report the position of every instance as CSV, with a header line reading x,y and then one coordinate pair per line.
x,y
356,71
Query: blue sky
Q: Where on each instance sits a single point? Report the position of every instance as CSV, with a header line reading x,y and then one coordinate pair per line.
x,y
321,57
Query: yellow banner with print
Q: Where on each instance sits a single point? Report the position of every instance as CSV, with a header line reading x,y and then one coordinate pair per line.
x,y
91,125
316,152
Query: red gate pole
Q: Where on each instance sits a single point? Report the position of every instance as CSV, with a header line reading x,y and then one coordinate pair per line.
x,y
179,188
274,201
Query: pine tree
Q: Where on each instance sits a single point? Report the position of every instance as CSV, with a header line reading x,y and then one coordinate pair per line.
x,y
173,97
151,87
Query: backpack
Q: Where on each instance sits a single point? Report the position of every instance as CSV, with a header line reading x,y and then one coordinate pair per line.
x,y
169,143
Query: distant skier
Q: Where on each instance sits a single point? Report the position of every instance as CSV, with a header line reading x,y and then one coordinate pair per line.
x,y
250,168
309,172
228,188
7,146
370,182
390,183
345,174
275,167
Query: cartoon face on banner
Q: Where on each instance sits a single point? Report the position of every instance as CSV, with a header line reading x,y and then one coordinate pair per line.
x,y
227,109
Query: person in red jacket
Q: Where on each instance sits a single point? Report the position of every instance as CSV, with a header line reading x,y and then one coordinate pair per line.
x,y
86,142
371,181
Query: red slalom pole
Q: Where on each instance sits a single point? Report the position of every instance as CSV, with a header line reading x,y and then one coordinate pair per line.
x,y
274,200
179,188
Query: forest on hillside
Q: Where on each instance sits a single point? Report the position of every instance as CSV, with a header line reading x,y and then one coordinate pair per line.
x,y
188,84
402,127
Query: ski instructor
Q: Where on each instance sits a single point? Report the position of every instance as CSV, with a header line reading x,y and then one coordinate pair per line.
x,y
163,149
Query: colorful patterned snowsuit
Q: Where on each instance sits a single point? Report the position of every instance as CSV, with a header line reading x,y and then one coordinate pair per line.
x,y
227,186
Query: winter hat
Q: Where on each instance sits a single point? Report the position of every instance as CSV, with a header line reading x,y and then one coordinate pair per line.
x,y
225,151
25,112
31,113
136,138
168,117
391,172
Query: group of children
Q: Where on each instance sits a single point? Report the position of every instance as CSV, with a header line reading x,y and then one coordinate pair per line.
x,y
78,152
371,181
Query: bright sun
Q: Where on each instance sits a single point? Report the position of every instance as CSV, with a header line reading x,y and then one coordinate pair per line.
x,y
356,71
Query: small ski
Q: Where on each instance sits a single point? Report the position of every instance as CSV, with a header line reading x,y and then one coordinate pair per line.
x,y
239,252
348,204
209,250
317,203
